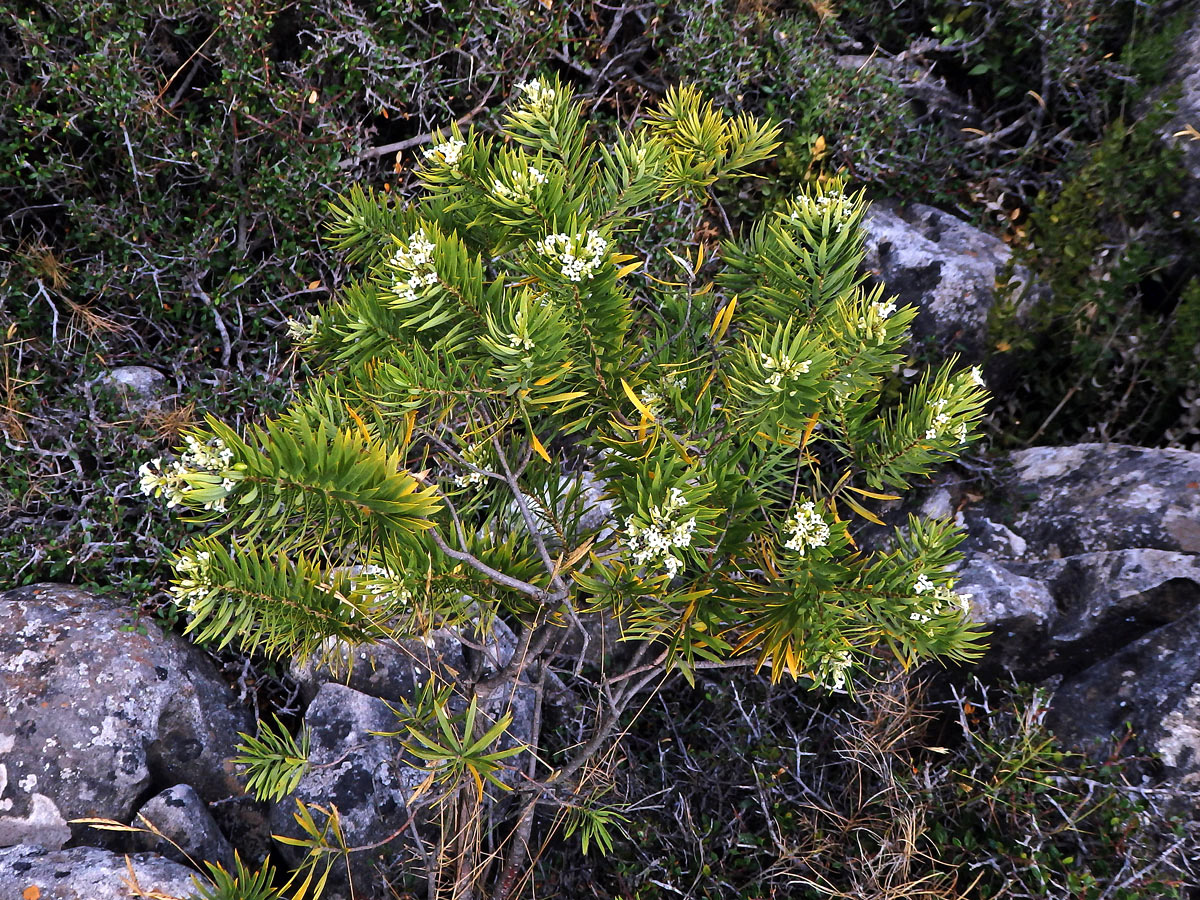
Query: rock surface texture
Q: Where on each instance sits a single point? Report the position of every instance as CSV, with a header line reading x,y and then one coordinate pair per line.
x,y
88,873
940,264
188,829
1085,563
356,769
139,388
97,713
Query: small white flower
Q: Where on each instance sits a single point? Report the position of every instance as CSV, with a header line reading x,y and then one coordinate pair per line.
x,y
519,342
977,376
923,584
806,528
667,532
536,94
783,368
579,255
448,152
299,331
832,669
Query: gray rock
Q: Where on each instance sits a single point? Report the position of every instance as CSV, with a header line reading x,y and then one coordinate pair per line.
x,y
88,873
187,828
138,387
388,670
1152,686
1018,611
1064,501
96,712
361,772
940,264
1061,616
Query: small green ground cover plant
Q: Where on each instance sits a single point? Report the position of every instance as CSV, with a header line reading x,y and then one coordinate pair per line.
x,y
499,350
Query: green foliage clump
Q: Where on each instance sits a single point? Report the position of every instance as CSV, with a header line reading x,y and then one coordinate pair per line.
x,y
1113,341
499,350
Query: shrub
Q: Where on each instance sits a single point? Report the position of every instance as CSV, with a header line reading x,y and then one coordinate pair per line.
x,y
498,354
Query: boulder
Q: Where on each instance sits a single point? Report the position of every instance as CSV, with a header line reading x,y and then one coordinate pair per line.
x,y
358,769
89,873
1151,686
1061,616
187,829
942,265
1085,498
100,708
139,388
389,670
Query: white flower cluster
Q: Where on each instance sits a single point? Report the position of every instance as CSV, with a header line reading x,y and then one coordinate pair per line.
x,y
806,529
536,94
831,670
380,585
448,152
945,600
415,260
580,255
473,456
941,423
212,458
877,313
522,185
667,532
782,368
976,375
300,331
839,206
195,582
520,341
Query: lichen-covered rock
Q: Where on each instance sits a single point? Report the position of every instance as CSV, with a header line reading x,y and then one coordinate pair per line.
x,y
1018,611
1064,501
1060,616
139,388
943,266
360,771
97,710
187,828
391,670
89,873
1152,686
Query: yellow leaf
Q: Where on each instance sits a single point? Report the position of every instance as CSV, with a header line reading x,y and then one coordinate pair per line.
x,y
636,402
312,97
723,319
863,511
819,145
561,398
699,257
313,285
874,496
538,448
632,267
